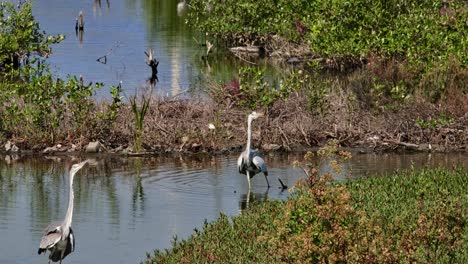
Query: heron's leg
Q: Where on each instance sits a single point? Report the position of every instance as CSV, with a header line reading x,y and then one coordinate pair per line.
x,y
248,178
248,200
266,178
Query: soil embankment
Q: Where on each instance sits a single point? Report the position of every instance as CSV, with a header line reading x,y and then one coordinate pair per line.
x,y
200,126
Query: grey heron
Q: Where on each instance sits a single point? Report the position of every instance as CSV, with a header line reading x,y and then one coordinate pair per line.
x,y
58,237
250,161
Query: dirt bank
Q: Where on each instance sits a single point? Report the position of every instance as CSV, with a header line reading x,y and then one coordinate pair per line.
x,y
175,125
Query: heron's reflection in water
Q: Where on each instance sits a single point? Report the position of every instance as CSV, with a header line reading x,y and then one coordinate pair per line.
x,y
250,198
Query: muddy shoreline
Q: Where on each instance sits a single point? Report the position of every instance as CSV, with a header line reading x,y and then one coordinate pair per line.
x,y
201,126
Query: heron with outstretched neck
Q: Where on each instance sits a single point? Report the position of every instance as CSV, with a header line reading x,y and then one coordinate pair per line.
x,y
58,237
250,162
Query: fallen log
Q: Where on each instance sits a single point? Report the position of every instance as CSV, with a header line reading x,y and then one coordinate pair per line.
x,y
251,49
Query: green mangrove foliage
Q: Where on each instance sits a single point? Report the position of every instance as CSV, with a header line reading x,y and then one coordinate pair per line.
x,y
422,32
34,104
20,35
253,88
414,216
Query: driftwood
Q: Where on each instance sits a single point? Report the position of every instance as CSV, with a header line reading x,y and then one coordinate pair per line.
x,y
408,145
103,59
153,63
79,24
251,49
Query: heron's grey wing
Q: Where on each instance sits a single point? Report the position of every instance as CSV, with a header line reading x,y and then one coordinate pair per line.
x,y
51,235
52,227
241,163
50,240
260,164
63,248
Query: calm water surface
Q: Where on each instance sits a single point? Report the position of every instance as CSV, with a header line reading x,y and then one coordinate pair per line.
x,y
123,30
125,207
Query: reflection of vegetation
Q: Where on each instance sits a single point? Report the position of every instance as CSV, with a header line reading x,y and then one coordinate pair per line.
x,y
138,193
161,16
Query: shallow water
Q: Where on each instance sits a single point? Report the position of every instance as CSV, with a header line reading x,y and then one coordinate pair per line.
x,y
123,30
125,207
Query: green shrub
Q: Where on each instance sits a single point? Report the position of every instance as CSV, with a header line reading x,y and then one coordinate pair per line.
x,y
419,31
20,35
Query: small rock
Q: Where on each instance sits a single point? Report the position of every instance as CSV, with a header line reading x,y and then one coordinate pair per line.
x,y
118,149
14,148
93,147
211,126
271,147
63,149
196,146
185,139
50,150
8,146
59,146
224,150
293,60
72,149
438,148
425,147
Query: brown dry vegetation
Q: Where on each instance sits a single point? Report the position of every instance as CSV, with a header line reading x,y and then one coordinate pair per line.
x,y
360,110
182,125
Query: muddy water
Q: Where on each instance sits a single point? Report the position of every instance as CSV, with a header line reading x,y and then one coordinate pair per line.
x,y
125,207
123,30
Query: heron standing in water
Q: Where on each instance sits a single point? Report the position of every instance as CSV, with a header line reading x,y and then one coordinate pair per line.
x,y
250,161
58,237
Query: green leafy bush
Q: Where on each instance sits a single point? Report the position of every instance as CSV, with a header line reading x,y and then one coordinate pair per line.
x,y
20,35
34,103
423,32
257,91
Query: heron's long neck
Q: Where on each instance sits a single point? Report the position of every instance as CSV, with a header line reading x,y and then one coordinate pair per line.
x,y
249,134
68,217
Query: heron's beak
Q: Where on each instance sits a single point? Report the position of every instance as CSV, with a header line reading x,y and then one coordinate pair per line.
x,y
260,114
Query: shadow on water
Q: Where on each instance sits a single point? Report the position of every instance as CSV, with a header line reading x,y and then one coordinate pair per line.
x,y
125,207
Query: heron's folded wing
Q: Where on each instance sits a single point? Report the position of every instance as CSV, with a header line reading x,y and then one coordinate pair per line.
x,y
50,240
260,163
240,162
52,228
